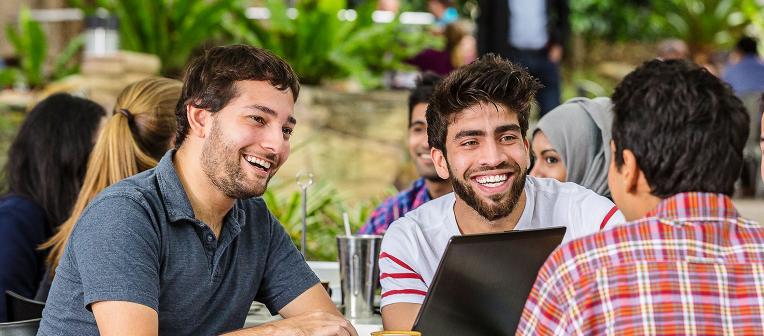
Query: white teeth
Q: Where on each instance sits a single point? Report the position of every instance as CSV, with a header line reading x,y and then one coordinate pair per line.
x,y
491,180
255,160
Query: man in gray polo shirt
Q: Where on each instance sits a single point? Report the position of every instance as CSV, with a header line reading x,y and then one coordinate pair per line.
x,y
184,248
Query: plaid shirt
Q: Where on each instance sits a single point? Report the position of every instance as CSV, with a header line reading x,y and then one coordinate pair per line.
x,y
692,266
395,207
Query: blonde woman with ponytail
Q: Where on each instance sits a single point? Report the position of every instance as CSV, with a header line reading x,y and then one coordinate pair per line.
x,y
138,133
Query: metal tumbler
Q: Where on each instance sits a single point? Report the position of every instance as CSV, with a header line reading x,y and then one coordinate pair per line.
x,y
359,273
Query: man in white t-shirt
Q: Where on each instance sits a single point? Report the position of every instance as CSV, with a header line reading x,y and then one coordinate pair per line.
x,y
477,120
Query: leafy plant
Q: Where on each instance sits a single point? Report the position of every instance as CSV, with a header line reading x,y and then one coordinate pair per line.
x,y
170,29
703,24
324,216
31,47
320,45
612,20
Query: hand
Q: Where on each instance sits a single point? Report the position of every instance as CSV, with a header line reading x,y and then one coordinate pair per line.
x,y
317,323
555,53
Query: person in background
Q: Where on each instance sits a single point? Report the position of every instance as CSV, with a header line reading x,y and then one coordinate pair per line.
x,y
531,33
673,49
571,143
184,248
746,69
745,73
444,12
135,137
429,185
43,174
476,126
687,262
455,54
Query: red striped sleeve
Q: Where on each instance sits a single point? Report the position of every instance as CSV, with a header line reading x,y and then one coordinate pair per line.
x,y
404,291
384,255
608,216
401,276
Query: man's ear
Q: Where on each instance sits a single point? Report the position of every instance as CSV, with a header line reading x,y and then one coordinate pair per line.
x,y
439,160
630,173
197,120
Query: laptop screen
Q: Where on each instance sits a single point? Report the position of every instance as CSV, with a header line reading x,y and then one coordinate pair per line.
x,y
483,281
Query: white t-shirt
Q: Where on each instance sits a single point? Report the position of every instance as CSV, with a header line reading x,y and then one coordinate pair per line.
x,y
413,245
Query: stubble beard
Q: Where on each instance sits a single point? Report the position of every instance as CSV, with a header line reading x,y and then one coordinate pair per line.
x,y
224,170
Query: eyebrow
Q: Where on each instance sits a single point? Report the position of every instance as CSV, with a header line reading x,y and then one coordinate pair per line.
x,y
468,133
508,128
417,123
269,111
500,129
547,151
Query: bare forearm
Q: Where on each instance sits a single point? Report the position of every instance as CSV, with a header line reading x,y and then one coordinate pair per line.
x,y
265,329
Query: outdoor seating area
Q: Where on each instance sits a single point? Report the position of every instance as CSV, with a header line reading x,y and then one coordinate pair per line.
x,y
381,167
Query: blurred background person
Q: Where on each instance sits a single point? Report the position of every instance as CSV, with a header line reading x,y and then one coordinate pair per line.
x,y
571,143
531,33
459,50
137,135
745,73
444,12
673,49
389,5
46,164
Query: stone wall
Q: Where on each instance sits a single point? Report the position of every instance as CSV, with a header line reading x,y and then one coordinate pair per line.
x,y
355,141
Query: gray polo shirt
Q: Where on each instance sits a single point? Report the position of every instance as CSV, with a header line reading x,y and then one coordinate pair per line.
x,y
138,241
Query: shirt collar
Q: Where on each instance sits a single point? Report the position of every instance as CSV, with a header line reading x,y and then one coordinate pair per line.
x,y
695,205
171,190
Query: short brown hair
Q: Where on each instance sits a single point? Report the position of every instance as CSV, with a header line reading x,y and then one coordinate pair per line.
x,y
489,79
210,80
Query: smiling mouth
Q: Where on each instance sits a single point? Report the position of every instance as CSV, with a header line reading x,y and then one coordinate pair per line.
x,y
258,162
492,181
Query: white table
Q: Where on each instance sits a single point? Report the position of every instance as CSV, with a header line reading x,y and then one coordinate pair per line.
x,y
364,326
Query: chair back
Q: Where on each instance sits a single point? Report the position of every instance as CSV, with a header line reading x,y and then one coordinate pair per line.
x,y
19,308
20,328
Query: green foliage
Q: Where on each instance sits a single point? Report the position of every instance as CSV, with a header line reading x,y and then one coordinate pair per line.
x,y
703,24
320,46
613,20
324,216
170,29
31,47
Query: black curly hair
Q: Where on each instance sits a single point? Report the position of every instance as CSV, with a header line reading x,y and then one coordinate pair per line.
x,y
685,127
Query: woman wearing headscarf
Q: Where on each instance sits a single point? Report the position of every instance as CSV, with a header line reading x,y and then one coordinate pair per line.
x,y
571,143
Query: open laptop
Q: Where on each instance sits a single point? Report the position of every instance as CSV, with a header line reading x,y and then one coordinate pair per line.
x,y
483,281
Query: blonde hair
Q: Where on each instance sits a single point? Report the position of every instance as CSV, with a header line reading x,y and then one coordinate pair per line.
x,y
134,138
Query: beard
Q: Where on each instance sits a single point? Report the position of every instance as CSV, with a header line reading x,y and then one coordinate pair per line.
x,y
502,204
221,162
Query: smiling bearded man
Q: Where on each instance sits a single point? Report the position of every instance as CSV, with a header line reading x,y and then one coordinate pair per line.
x,y
477,120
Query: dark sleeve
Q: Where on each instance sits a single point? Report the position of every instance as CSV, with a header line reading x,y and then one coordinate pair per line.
x,y
20,262
115,248
286,274
484,24
560,29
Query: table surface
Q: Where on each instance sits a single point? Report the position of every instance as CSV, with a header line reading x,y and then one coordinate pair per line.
x,y
258,315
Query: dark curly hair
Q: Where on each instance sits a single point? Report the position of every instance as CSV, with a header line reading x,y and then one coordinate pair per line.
x,y
490,79
685,127
210,79
421,94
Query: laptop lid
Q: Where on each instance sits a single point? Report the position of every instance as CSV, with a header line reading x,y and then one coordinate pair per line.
x,y
483,281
